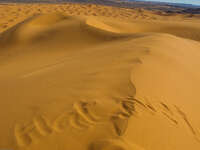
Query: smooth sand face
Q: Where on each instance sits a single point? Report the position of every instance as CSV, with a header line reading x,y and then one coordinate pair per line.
x,y
89,77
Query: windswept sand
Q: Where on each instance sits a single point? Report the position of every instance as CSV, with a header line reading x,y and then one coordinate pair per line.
x,y
89,77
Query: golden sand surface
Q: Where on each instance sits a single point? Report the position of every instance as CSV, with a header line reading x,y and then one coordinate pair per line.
x,y
91,77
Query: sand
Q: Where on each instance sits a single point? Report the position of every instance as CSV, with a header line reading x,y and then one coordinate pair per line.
x,y
91,77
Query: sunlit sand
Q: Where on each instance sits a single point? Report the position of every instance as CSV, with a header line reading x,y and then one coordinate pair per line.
x,y
91,77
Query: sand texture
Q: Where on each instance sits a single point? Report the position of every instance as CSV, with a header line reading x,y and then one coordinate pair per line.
x,y
91,77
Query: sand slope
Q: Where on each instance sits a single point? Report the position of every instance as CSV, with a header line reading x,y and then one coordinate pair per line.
x,y
93,83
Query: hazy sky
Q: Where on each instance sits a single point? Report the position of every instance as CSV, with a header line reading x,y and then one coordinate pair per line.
x,y
196,2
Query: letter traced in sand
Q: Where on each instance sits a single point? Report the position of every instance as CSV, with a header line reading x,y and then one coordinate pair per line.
x,y
120,125
82,117
25,134
183,115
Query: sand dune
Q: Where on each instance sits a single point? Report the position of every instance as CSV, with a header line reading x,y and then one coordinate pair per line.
x,y
91,77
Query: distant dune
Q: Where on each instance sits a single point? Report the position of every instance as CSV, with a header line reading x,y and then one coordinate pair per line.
x,y
93,77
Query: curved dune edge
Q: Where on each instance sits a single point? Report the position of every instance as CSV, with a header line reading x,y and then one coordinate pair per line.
x,y
94,83
37,28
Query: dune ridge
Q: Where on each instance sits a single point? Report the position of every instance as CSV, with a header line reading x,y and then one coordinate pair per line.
x,y
91,77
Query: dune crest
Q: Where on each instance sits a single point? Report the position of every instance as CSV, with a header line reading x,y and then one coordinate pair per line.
x,y
41,27
89,77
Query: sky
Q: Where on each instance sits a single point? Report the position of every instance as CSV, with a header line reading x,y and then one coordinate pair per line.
x,y
194,2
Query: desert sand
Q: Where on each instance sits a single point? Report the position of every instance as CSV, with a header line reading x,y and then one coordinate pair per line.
x,y
91,77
